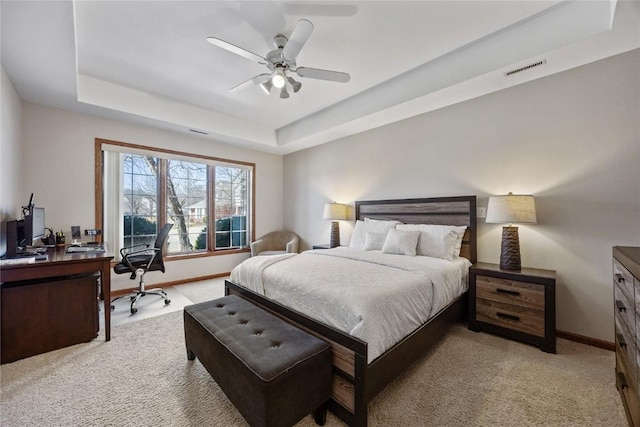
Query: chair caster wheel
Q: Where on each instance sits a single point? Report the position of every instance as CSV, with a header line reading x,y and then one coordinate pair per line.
x,y
167,302
134,310
113,307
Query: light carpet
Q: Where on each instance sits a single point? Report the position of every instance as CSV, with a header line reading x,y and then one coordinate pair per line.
x,y
142,377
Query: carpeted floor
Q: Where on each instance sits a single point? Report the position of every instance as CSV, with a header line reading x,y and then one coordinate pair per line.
x,y
142,377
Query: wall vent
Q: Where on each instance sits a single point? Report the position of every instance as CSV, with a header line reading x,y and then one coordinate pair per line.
x,y
526,67
198,131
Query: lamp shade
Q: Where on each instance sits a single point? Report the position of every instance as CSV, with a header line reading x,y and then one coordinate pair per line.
x,y
335,211
512,208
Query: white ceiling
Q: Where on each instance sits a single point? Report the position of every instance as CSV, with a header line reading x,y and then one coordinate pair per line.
x,y
149,62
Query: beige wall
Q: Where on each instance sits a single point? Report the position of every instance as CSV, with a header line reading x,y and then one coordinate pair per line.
x,y
58,148
571,139
11,193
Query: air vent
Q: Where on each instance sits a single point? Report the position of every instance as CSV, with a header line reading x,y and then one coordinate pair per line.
x,y
526,67
198,131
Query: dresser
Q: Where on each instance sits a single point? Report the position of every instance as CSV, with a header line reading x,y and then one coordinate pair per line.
x,y
626,305
517,304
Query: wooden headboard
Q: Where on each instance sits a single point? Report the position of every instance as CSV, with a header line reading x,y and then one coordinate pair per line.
x,y
438,210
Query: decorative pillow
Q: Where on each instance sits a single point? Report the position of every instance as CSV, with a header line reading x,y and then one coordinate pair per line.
x,y
373,225
438,241
401,242
374,241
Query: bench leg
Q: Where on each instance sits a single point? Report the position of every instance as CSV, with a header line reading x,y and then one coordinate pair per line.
x,y
320,414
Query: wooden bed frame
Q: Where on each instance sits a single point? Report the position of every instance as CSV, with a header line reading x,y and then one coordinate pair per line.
x,y
356,382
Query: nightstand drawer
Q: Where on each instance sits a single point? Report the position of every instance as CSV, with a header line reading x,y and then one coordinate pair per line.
x,y
529,295
523,319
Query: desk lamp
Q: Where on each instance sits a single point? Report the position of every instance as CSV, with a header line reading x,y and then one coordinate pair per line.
x,y
512,208
335,212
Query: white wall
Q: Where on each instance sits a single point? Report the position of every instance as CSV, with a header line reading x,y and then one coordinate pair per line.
x,y
572,140
11,188
59,169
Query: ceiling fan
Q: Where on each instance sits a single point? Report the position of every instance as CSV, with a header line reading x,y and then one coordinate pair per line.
x,y
282,60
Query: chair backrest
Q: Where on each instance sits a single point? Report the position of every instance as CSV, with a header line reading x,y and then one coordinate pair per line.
x,y
161,243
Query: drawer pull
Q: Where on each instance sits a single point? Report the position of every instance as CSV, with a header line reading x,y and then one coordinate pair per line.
x,y
619,277
508,292
621,341
622,381
620,306
508,316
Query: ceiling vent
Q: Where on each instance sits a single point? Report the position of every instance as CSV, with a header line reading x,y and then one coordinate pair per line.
x,y
526,67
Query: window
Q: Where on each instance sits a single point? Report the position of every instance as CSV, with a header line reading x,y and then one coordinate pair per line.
x,y
140,199
141,189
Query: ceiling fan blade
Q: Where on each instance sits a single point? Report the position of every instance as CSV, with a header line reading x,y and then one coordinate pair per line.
x,y
317,73
298,38
251,82
237,50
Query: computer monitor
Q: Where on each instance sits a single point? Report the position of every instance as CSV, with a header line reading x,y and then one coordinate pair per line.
x,y
34,226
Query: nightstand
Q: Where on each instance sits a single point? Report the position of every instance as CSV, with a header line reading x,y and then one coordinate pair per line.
x,y
517,304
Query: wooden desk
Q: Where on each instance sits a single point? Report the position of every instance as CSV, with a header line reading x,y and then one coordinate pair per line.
x,y
61,264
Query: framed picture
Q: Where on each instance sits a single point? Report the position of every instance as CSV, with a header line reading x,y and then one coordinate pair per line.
x,y
75,232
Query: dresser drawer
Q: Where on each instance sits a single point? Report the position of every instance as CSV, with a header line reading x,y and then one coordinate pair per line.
x,y
629,391
624,310
512,292
637,290
623,280
626,352
510,316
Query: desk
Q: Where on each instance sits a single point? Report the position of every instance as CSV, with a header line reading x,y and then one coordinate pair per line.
x,y
61,264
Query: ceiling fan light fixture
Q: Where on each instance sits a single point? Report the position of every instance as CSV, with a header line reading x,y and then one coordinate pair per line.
x,y
294,84
283,93
278,79
266,86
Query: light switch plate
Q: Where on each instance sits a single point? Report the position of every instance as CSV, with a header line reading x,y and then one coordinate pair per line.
x,y
481,212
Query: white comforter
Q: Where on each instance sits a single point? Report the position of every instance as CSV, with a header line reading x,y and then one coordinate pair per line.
x,y
379,298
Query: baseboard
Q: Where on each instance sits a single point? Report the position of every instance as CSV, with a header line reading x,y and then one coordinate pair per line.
x,y
586,340
168,284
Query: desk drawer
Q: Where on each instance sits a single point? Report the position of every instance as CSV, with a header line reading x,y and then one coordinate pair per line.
x,y
512,292
510,316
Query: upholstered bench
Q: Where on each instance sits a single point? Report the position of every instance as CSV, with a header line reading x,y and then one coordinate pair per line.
x,y
274,373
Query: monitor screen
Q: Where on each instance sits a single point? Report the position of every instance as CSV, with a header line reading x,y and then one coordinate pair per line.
x,y
34,225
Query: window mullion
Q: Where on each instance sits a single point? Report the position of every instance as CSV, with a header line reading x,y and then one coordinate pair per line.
x,y
211,208
162,193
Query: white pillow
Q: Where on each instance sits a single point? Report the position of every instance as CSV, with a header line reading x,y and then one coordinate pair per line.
x,y
438,241
374,241
401,242
373,225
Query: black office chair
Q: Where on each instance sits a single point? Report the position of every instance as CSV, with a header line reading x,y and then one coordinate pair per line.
x,y
138,260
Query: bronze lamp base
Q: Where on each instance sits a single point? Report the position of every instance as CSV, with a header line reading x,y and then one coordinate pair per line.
x,y
335,234
510,250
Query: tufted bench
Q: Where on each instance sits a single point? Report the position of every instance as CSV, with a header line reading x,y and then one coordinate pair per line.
x,y
274,373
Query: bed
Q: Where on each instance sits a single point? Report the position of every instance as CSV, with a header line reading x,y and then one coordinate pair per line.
x,y
364,364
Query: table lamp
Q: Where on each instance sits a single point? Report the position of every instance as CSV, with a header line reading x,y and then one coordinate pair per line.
x,y
335,211
512,208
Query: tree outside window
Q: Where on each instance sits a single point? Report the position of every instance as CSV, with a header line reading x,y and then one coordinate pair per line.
x,y
184,186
